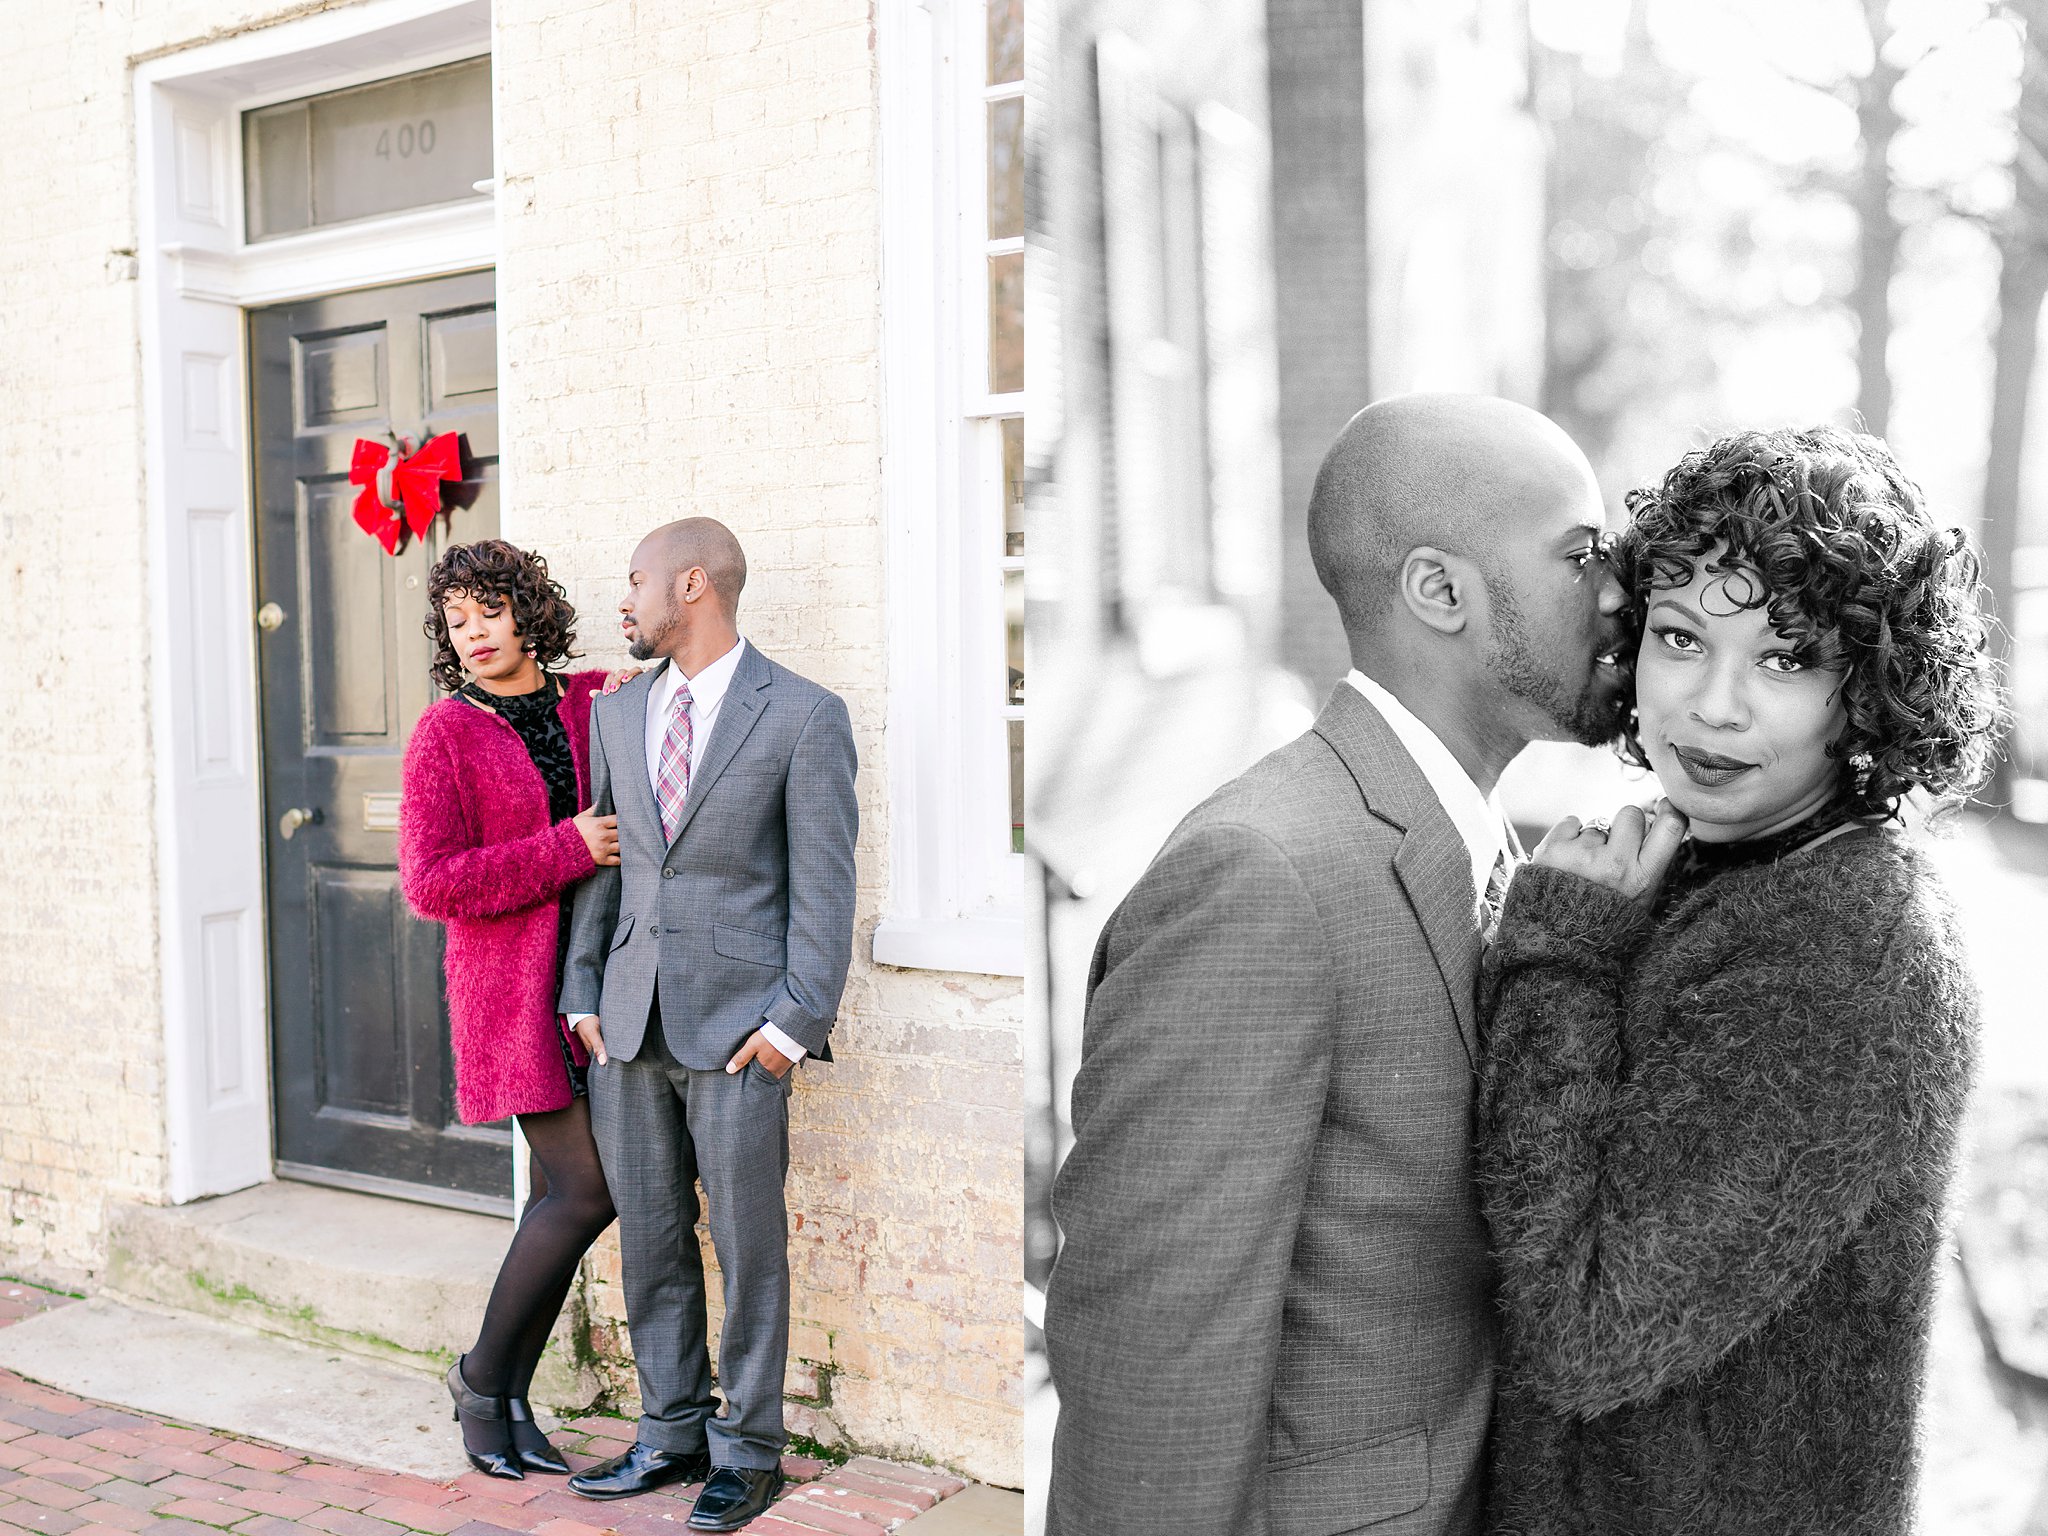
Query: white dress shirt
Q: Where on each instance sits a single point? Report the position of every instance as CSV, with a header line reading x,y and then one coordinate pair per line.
x,y
707,692
1482,824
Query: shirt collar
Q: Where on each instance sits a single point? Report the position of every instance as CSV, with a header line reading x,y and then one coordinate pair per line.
x,y
1480,822
707,688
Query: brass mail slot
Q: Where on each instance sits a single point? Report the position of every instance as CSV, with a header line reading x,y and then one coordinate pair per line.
x,y
380,811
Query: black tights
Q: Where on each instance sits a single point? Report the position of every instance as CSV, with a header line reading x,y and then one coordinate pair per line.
x,y
567,1209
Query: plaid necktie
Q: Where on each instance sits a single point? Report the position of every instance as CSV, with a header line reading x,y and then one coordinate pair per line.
x,y
1496,892
672,778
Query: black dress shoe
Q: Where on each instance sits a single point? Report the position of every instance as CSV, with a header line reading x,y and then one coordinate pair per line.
x,y
484,1419
733,1496
529,1444
641,1469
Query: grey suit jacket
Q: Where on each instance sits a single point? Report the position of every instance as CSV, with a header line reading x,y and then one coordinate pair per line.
x,y
1272,1314
748,913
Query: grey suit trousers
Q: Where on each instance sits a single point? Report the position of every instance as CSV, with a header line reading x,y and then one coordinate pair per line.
x,y
660,1128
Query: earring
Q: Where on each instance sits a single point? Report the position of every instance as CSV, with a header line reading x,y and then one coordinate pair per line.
x,y
1860,764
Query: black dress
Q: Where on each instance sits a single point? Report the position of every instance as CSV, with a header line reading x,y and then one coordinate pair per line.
x,y
537,719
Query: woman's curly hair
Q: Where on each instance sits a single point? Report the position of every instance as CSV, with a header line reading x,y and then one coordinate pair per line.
x,y
493,568
1857,575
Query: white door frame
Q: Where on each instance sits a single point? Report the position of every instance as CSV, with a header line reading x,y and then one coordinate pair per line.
x,y
197,275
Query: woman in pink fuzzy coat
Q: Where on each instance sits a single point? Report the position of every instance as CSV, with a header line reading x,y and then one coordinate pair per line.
x,y
492,843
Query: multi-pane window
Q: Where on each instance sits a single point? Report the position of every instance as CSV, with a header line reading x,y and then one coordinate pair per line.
x,y
999,413
953,139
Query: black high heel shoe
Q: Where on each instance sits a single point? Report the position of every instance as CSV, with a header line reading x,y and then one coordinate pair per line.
x,y
529,1444
475,1408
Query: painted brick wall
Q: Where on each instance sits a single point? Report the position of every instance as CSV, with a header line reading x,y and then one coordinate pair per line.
x,y
81,1115
690,314
689,292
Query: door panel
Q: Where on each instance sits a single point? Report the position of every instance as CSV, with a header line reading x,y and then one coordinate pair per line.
x,y
340,378
355,912
462,360
362,1080
350,671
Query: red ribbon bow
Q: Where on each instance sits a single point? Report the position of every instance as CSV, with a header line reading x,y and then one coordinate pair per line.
x,y
407,494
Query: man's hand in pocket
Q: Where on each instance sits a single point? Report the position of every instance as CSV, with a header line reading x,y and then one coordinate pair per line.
x,y
758,1049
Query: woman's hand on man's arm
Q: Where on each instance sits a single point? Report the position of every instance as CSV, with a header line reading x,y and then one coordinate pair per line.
x,y
600,835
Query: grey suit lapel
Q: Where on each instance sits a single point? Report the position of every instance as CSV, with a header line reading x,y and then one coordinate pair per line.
x,y
745,697
1431,862
1435,873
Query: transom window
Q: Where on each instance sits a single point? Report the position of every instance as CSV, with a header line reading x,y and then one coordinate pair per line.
x,y
416,141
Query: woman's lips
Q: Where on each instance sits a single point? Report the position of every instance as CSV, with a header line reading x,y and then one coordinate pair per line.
x,y
1709,769
483,653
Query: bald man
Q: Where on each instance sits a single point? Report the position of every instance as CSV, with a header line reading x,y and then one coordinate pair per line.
x,y
1271,1315
701,969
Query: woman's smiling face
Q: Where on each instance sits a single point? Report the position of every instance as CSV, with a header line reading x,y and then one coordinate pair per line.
x,y
1735,718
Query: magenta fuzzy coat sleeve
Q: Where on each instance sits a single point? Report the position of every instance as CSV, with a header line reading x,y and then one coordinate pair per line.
x,y
477,852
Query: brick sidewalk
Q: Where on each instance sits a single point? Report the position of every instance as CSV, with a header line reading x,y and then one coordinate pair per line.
x,y
75,1468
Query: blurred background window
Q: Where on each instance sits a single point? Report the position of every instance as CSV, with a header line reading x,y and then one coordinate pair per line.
x,y
1001,437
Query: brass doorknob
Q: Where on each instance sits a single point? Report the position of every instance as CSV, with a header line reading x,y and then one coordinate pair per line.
x,y
269,617
294,819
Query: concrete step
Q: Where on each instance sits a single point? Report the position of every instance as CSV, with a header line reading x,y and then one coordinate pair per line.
x,y
384,1280
976,1510
199,1371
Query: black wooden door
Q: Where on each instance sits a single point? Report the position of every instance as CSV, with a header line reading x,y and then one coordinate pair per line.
x,y
361,1077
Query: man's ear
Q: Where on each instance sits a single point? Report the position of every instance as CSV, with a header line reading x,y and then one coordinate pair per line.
x,y
1438,588
692,584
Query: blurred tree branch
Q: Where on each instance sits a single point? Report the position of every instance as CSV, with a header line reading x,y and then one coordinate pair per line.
x,y
1618,323
1877,223
1841,90
1883,206
2021,237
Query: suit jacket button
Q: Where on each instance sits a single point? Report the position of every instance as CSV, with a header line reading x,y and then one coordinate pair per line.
x,y
668,874
655,932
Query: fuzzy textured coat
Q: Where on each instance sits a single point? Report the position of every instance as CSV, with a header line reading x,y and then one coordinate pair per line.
x,y
476,851
1714,1150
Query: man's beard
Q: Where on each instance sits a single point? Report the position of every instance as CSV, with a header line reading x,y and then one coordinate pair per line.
x,y
1592,715
647,642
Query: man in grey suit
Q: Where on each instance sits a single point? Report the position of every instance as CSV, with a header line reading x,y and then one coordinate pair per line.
x,y
1271,1316
700,969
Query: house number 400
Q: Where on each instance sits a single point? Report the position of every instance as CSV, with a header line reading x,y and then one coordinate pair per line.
x,y
407,141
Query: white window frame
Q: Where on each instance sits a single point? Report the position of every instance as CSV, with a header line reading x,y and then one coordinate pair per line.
x,y
197,273
958,894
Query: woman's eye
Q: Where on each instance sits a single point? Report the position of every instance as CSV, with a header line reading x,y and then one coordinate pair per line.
x,y
1677,639
1783,661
